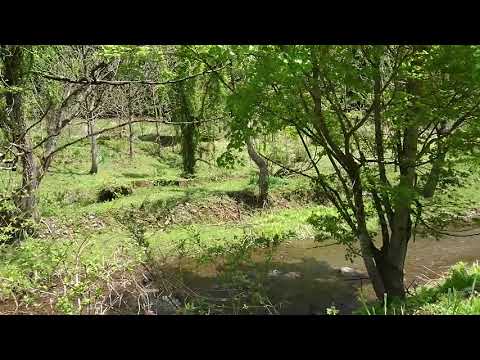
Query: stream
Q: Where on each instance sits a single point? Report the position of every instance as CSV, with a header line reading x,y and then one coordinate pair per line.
x,y
306,278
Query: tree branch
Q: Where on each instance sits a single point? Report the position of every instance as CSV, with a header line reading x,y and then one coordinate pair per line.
x,y
86,81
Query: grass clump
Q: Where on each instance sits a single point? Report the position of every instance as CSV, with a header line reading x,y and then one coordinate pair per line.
x,y
67,277
457,293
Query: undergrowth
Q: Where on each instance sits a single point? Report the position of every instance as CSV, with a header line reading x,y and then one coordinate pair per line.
x,y
457,293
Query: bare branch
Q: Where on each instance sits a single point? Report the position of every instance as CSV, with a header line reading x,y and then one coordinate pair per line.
x,y
86,81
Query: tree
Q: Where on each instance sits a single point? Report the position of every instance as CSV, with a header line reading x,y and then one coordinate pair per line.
x,y
263,172
195,102
228,77
54,103
13,124
93,109
136,64
46,87
377,113
57,105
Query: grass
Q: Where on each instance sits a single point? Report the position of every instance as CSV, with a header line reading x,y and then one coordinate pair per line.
x,y
456,293
267,224
87,247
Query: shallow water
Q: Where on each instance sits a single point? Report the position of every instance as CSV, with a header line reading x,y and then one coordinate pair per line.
x,y
317,282
323,285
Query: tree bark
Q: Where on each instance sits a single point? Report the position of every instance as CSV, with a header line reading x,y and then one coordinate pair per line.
x,y
187,129
263,173
188,148
27,200
156,113
130,137
391,261
434,176
130,127
437,165
14,125
93,148
367,248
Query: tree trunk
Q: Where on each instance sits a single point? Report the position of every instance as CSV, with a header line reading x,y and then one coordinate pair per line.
x,y
130,137
93,148
27,201
367,248
384,267
14,125
52,123
188,130
391,261
437,165
434,176
156,114
188,148
130,127
390,266
263,173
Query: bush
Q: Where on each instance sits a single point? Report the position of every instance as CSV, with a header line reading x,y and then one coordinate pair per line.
x,y
65,277
456,294
244,290
14,225
112,192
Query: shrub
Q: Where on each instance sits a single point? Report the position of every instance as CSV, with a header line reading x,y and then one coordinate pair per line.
x,y
14,225
234,261
457,293
112,192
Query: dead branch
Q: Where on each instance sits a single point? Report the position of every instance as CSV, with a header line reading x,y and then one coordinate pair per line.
x,y
86,81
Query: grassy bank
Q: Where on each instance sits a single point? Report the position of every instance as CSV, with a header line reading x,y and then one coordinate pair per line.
x,y
90,256
455,293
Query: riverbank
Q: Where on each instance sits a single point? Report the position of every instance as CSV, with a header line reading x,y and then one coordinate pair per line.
x,y
454,293
201,241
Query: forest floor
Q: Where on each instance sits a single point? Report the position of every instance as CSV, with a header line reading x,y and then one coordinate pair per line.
x,y
138,252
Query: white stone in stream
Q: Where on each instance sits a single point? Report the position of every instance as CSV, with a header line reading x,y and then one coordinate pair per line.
x,y
274,273
348,271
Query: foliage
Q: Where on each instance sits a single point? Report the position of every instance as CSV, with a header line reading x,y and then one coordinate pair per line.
x,y
14,225
457,293
64,275
368,127
243,292
112,191
329,226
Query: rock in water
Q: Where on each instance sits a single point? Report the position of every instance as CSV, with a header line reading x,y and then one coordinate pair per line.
x,y
166,305
352,273
348,271
292,275
274,273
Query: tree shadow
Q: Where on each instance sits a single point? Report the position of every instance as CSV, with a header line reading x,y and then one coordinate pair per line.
x,y
315,287
136,175
163,140
174,162
67,172
245,197
318,287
